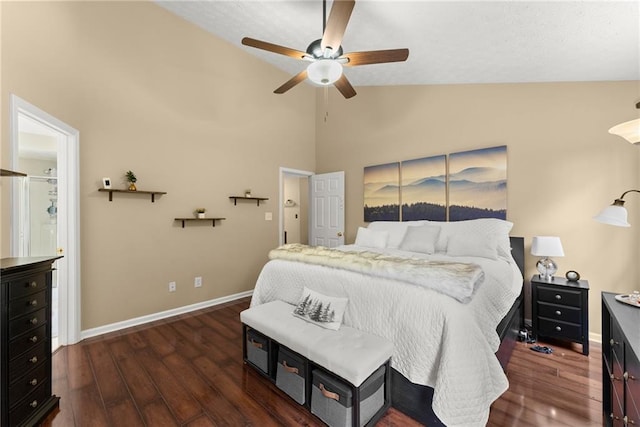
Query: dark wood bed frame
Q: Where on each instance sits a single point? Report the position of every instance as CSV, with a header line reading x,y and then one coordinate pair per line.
x,y
415,399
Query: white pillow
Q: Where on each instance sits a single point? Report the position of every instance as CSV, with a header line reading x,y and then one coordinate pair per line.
x,y
474,228
420,239
477,245
395,229
320,309
371,238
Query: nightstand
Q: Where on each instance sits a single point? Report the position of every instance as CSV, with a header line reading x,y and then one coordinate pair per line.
x,y
560,309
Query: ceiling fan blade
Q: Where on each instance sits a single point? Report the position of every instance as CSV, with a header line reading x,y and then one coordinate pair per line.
x,y
259,44
375,57
302,75
345,88
337,24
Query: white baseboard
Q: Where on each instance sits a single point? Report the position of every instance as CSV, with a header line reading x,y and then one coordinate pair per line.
x,y
161,315
595,337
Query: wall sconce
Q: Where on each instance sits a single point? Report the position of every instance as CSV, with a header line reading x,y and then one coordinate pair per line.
x,y
616,213
546,246
628,130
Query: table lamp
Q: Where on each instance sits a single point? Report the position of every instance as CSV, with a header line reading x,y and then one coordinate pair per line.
x,y
546,246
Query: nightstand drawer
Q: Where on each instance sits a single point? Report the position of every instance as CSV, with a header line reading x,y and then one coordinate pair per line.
x,y
556,295
559,312
552,328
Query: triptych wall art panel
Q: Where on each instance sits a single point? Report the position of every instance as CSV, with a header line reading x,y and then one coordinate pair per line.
x,y
475,183
382,192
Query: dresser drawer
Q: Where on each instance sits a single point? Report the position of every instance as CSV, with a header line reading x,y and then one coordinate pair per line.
x,y
28,382
28,285
556,295
27,304
27,322
559,312
23,342
23,408
558,329
29,360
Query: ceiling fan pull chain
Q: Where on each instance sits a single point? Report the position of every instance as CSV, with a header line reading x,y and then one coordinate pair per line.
x,y
326,103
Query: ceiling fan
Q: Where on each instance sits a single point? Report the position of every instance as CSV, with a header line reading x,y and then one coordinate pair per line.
x,y
325,55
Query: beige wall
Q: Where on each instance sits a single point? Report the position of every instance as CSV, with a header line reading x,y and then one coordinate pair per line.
x,y
563,166
189,114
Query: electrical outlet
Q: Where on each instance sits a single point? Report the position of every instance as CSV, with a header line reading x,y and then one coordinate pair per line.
x,y
268,216
197,282
172,286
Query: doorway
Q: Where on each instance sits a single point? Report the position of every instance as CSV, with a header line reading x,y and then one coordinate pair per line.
x,y
294,206
45,204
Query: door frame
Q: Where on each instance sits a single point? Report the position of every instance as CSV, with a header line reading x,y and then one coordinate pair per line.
x,y
68,222
289,172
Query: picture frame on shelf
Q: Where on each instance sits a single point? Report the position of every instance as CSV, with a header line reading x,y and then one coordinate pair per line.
x,y
106,183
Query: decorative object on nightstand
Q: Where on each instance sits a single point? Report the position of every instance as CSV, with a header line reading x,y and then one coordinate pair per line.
x,y
560,309
546,246
616,213
131,179
628,130
572,276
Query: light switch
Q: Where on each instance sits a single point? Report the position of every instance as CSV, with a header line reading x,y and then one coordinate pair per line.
x,y
268,216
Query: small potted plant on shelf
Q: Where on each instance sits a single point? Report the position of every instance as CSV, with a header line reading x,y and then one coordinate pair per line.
x,y
131,179
200,212
247,193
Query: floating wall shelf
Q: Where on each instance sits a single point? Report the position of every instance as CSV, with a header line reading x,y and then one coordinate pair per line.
x,y
213,220
7,172
111,191
257,199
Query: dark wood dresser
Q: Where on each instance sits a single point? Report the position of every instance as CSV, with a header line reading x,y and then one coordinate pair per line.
x,y
620,362
25,341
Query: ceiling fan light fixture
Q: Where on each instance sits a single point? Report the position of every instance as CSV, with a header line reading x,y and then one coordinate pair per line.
x,y
324,72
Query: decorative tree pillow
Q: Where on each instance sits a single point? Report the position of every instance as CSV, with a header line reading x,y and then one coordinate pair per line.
x,y
320,309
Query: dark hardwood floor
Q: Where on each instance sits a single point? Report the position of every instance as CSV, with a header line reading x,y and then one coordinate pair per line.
x,y
188,371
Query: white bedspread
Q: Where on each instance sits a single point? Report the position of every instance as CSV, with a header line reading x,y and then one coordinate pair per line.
x,y
439,342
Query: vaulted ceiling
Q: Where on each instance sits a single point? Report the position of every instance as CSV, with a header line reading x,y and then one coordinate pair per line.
x,y
450,42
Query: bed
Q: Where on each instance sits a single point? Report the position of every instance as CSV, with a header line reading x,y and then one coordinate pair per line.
x,y
451,342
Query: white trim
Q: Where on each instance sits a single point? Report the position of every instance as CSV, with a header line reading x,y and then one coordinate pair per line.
x,y
286,171
595,337
161,315
68,218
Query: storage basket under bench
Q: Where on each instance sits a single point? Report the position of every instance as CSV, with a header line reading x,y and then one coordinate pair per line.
x,y
342,377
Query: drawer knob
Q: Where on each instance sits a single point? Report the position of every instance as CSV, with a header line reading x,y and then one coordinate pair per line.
x,y
34,359
34,284
33,303
34,382
558,297
558,313
558,328
33,404
34,321
625,376
34,338
614,378
611,341
256,344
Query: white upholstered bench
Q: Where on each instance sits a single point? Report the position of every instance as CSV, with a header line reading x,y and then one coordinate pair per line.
x,y
346,355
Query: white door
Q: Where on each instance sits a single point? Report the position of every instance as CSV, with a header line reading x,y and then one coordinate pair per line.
x,y
326,192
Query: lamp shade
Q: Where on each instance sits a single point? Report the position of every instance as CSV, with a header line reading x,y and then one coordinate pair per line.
x,y
628,130
324,71
613,215
546,246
